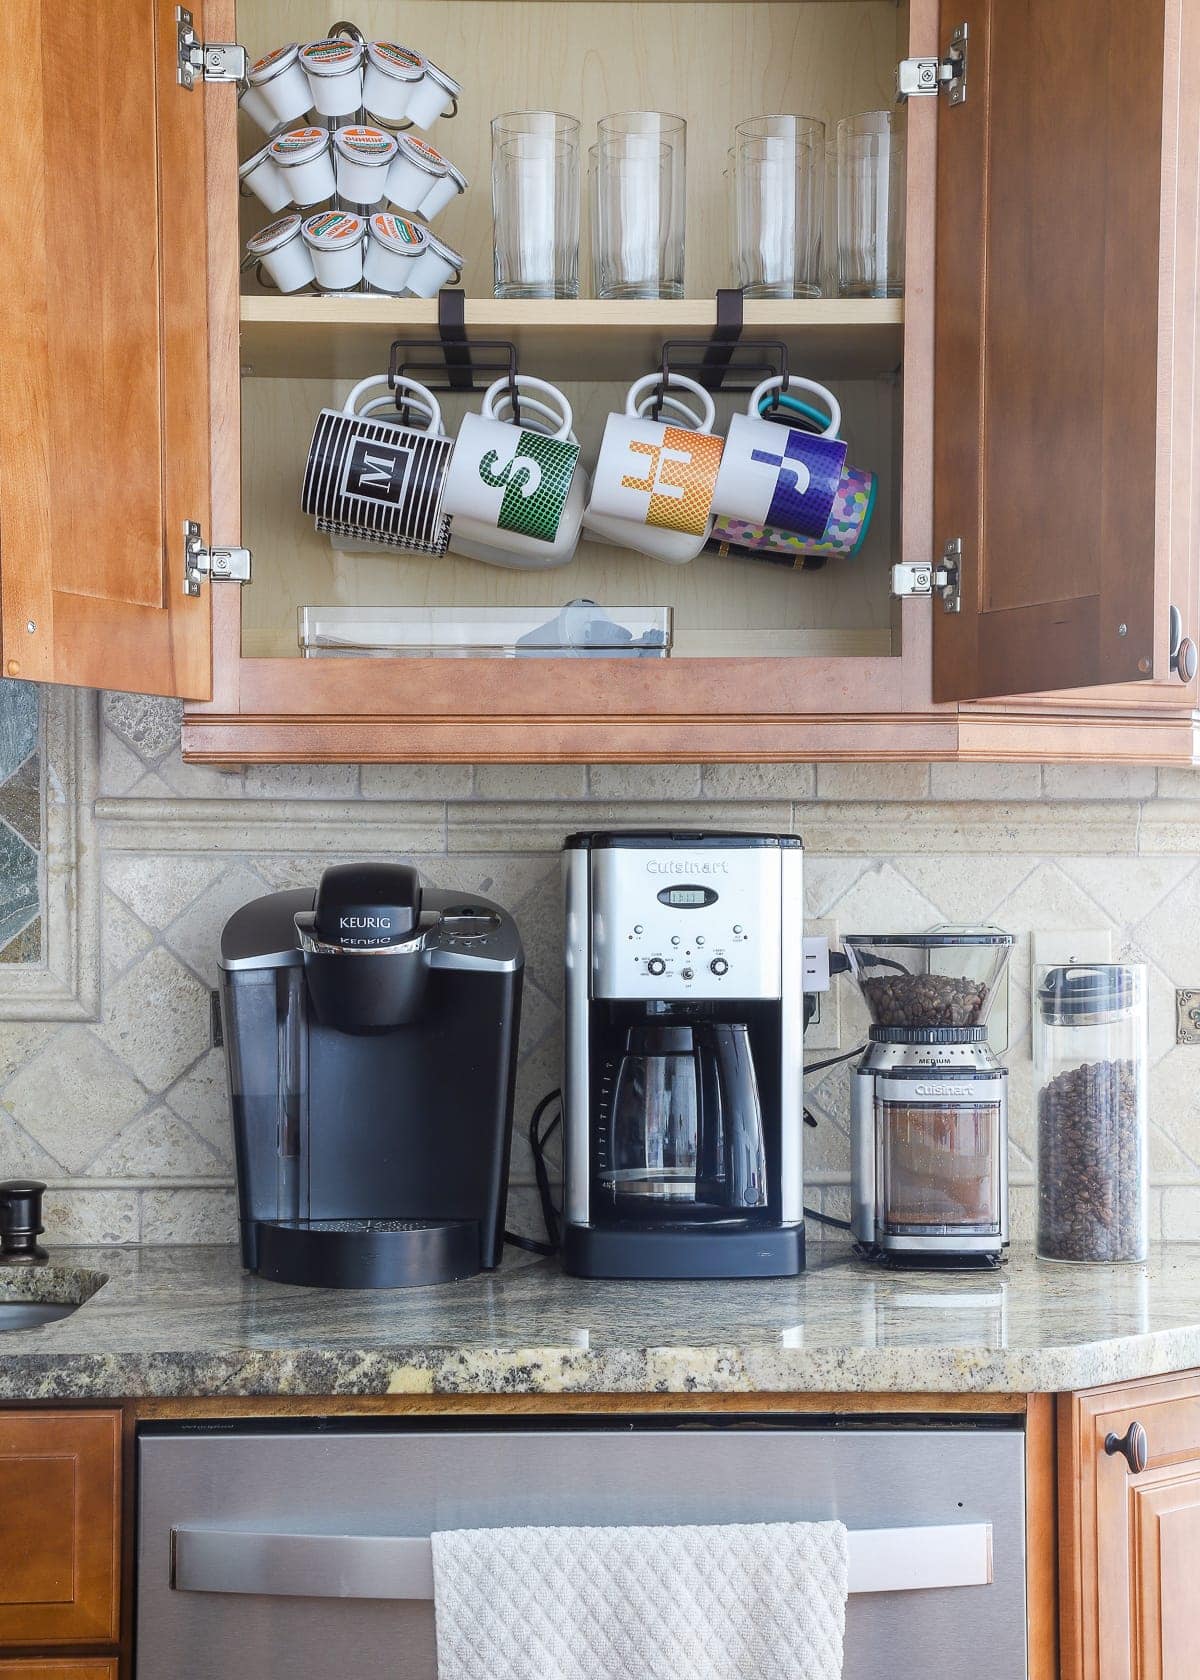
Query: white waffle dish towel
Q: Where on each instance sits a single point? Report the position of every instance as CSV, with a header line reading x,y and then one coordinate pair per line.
x,y
735,1601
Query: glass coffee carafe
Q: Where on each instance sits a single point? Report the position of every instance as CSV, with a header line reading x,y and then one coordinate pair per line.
x,y
681,1135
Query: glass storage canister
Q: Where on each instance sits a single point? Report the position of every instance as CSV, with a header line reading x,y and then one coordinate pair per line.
x,y
1091,1063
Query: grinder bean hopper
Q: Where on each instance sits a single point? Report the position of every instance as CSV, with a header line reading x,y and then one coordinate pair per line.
x,y
929,1113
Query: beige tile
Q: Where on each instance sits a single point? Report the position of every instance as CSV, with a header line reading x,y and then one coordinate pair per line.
x,y
90,1216
157,889
302,781
21,1155
1098,781
882,901
157,1145
1179,782
872,781
146,723
1169,933
1170,825
965,889
985,781
188,1216
417,781
530,781
201,1099
526,826
123,936
157,1019
826,879
1175,1099
74,1097
759,781
195,936
975,827
644,781
1127,888
1181,1213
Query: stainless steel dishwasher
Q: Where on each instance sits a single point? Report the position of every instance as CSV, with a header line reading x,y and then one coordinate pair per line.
x,y
298,1553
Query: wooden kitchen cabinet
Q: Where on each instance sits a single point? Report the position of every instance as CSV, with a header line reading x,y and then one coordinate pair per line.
x,y
1130,1539
1032,394
60,1531
59,1668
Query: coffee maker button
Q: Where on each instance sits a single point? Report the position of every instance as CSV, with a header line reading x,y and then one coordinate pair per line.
x,y
737,927
699,939
656,966
686,974
718,966
639,928
675,939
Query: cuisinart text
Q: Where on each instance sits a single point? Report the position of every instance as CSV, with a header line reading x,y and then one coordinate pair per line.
x,y
670,866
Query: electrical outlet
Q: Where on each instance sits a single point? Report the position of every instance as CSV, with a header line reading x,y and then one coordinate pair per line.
x,y
1187,1017
824,1029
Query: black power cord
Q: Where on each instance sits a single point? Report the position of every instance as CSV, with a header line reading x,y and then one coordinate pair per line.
x,y
538,1139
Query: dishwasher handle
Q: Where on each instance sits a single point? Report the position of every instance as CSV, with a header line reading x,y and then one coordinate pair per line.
x,y
386,1566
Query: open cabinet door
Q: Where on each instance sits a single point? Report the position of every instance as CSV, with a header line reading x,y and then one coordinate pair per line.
x,y
1057,315
104,445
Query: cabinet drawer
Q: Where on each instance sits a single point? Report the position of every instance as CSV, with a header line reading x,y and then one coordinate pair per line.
x,y
59,1668
60,1531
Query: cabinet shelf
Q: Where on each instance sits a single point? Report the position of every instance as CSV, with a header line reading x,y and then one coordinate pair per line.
x,y
312,337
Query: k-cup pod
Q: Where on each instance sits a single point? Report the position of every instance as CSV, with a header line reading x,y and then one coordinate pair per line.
x,y
284,86
438,265
436,95
778,475
416,168
394,245
390,73
335,75
281,250
362,158
335,241
444,188
266,182
253,102
305,158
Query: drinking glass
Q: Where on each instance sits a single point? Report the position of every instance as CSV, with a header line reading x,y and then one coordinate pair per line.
x,y
870,218
779,197
535,204
641,183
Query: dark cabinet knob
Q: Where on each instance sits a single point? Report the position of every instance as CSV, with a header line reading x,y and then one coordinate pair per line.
x,y
1183,660
1133,1447
21,1221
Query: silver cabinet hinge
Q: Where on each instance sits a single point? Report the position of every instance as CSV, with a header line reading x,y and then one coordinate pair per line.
x,y
922,578
918,77
210,61
231,565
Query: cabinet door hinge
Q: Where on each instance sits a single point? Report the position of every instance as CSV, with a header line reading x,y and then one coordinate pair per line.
x,y
232,565
211,61
923,579
917,77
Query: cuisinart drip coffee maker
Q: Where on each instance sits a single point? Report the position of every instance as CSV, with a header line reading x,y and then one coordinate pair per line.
x,y
371,1038
929,1113
682,1094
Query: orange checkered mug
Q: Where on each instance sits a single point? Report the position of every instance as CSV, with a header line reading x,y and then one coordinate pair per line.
x,y
653,485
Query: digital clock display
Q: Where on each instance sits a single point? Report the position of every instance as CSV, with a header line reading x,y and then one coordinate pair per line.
x,y
687,898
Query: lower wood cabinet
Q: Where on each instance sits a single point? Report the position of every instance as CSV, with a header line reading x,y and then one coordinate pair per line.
x,y
1129,1531
59,1668
60,1537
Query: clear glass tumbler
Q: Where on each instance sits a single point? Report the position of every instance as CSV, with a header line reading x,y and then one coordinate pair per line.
x,y
779,199
640,208
535,204
870,205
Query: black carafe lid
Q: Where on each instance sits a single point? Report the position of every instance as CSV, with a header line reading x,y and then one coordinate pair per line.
x,y
367,906
660,1038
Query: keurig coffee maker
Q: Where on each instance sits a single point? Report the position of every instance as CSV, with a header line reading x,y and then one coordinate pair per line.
x,y
683,1081
371,1038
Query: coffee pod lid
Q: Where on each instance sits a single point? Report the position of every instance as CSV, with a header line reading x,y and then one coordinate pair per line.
x,y
456,175
397,233
443,78
298,145
333,57
399,62
425,156
272,64
1089,994
446,252
273,235
333,230
364,144
253,161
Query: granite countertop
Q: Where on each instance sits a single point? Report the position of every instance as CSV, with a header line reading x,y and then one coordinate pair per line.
x,y
187,1321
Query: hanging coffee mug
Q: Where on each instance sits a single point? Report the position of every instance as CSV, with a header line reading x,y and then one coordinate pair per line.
x,y
377,482
514,493
778,475
653,485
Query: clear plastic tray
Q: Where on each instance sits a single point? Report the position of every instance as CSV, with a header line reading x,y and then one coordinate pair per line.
x,y
578,630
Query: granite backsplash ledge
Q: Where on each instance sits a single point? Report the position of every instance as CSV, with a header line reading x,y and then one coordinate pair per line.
x,y
110,1088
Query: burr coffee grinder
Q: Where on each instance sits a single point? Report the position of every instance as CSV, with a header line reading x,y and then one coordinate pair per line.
x,y
929,1119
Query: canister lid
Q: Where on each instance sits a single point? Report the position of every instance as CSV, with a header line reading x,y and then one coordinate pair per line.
x,y
299,145
426,157
273,235
1089,994
443,78
397,233
272,64
334,230
253,162
361,143
399,62
333,57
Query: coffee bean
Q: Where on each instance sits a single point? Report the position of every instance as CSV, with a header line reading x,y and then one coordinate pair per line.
x,y
924,1000
1091,1167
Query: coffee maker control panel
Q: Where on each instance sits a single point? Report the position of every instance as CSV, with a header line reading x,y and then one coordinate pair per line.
x,y
679,923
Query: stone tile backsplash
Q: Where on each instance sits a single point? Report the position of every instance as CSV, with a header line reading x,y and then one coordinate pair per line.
x,y
125,1113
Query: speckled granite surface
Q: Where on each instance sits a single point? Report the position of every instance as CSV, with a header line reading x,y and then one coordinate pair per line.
x,y
184,1321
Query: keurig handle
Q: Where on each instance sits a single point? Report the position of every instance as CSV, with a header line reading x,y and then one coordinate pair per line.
x,y
21,1221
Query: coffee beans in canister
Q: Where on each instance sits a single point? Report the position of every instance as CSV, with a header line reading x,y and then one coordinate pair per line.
x,y
1091,1170
924,1000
